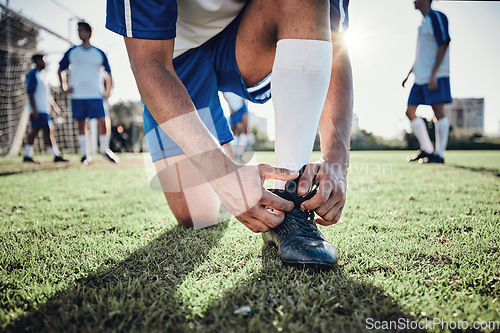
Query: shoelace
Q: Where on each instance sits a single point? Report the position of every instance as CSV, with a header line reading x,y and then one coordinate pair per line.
x,y
303,221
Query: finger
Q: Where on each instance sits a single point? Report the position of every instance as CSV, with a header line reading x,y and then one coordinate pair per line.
x,y
331,214
321,197
327,222
270,220
307,178
277,173
276,202
252,223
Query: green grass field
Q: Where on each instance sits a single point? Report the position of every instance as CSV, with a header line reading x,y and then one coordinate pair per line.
x,y
93,248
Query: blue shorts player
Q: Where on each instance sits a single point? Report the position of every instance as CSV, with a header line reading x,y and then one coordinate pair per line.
x,y
86,63
182,53
40,103
432,82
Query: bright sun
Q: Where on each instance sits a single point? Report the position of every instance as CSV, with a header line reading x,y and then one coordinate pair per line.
x,y
351,39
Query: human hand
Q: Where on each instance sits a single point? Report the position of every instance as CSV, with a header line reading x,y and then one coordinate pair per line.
x,y
242,193
432,85
106,95
35,115
329,200
67,90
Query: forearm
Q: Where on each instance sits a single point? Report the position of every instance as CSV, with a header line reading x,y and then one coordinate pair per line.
x,y
52,102
109,84
411,70
62,79
170,105
335,122
439,58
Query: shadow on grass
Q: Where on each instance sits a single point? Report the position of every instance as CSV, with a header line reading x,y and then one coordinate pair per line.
x,y
135,294
494,172
141,294
288,299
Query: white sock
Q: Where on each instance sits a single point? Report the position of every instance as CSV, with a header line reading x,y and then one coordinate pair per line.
x,y
242,144
420,131
28,150
299,85
103,143
82,141
54,151
442,130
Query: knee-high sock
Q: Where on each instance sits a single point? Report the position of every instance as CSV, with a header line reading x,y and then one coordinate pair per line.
x,y
299,85
103,143
28,150
442,130
54,150
420,131
82,141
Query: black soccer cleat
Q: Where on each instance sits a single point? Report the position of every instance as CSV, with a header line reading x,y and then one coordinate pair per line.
x,y
419,155
433,158
85,160
58,159
28,159
297,238
111,156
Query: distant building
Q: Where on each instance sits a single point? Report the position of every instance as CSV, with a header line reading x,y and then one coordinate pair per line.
x,y
466,113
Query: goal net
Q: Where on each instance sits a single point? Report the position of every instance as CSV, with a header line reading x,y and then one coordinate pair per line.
x,y
19,40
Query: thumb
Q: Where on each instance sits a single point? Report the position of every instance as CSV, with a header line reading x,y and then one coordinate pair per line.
x,y
270,172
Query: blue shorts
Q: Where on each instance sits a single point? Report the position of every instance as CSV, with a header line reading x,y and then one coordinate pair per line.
x,y
87,108
205,71
43,121
235,118
420,93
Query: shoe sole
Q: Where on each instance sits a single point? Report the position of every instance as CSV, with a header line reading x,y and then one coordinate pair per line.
x,y
308,264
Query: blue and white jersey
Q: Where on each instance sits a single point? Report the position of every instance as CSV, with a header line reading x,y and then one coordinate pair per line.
x,y
432,33
190,22
86,65
37,85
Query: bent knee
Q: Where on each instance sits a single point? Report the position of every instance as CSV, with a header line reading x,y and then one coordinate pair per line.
x,y
410,114
198,217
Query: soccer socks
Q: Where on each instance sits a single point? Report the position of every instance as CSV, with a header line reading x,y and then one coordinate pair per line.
x,y
442,127
28,150
420,131
242,145
103,143
299,85
82,141
54,150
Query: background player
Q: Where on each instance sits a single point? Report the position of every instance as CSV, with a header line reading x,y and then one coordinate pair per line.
x,y
239,122
432,82
40,102
85,62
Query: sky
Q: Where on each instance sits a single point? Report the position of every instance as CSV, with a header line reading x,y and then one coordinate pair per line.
x,y
382,44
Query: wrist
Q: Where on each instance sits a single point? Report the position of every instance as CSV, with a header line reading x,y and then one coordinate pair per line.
x,y
335,153
339,160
